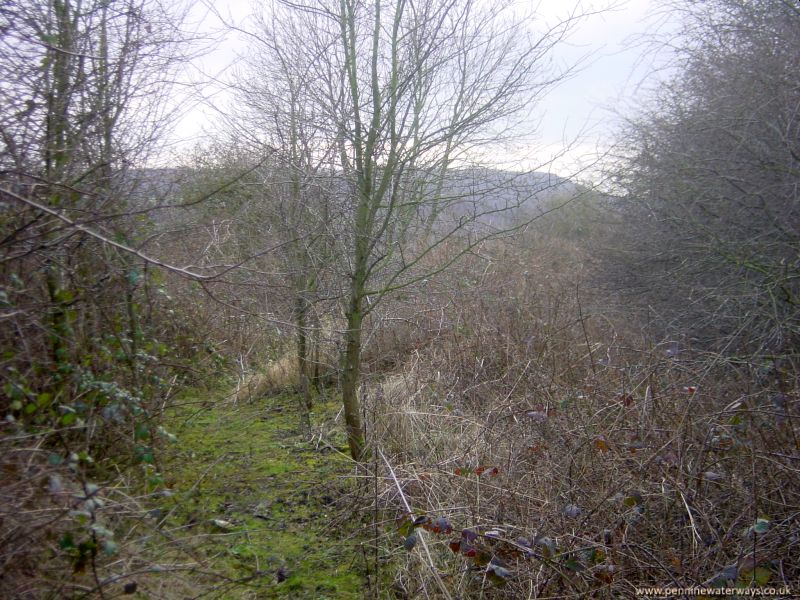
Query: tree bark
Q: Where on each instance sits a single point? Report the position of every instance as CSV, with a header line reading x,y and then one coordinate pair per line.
x,y
351,376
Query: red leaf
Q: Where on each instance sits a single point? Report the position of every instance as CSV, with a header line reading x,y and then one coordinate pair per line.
x,y
479,470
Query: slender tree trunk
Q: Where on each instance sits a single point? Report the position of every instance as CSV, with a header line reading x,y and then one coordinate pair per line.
x,y
56,157
301,322
351,376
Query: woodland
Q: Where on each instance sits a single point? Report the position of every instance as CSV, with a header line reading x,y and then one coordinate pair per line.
x,y
348,346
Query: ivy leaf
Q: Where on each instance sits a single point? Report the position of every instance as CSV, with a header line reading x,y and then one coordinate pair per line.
x,y
724,578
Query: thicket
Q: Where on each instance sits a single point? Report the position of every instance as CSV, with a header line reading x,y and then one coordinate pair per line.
x,y
596,399
707,184
96,339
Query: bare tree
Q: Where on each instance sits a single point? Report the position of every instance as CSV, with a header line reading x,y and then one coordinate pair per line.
x,y
412,96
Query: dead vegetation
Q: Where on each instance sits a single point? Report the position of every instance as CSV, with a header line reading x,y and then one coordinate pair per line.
x,y
579,459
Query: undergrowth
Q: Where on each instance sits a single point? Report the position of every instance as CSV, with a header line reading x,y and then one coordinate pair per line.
x,y
546,449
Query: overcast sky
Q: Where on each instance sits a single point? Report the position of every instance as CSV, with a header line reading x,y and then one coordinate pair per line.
x,y
580,109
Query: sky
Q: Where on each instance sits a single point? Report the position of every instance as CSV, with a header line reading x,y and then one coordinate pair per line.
x,y
576,120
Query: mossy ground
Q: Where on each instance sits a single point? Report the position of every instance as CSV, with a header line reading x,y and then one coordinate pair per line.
x,y
258,505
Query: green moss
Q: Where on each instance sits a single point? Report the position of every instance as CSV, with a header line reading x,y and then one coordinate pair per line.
x,y
256,501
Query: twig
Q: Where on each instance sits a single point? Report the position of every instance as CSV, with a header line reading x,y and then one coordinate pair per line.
x,y
420,535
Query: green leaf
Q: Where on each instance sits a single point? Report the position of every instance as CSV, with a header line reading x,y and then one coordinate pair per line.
x,y
145,454
101,531
405,527
68,419
761,526
67,542
81,516
30,408
141,432
64,296
110,547
55,459
14,392
572,564
762,576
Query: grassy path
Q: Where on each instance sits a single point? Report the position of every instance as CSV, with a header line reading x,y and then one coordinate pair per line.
x,y
255,503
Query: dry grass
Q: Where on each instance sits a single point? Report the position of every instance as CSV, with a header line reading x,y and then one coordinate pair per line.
x,y
618,464
278,375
